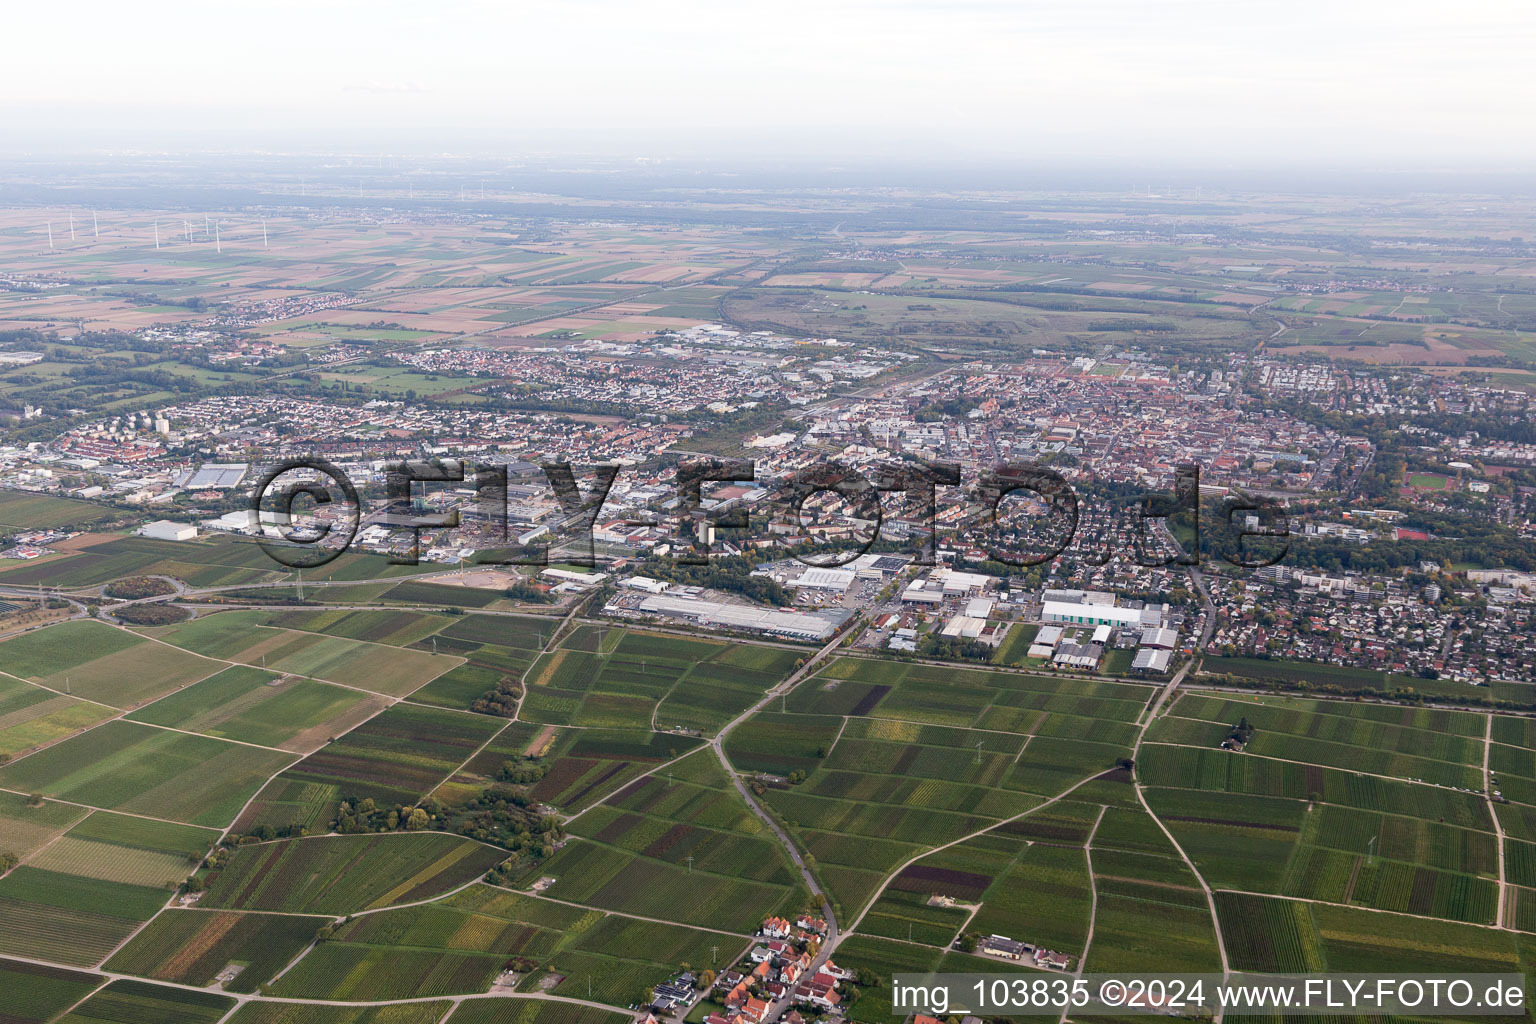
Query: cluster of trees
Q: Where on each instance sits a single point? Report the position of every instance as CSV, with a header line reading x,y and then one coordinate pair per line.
x,y
152,614
731,573
500,700
503,814
365,815
523,772
934,645
1404,694
133,588
528,593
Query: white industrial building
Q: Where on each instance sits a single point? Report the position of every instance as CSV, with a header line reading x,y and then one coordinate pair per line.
x,y
215,476
1162,639
964,626
956,583
1096,597
797,625
1061,612
923,592
645,583
581,579
164,529
836,580
1151,660
240,521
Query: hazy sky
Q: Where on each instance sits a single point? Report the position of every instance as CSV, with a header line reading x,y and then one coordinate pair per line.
x,y
1437,83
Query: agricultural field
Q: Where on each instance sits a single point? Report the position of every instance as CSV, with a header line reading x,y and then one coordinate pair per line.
x,y
1318,806
31,716
898,757
238,636
396,757
26,826
460,943
620,958
36,994
136,1002
346,874
253,706
1344,677
1265,933
495,647
274,1012
427,592
1513,766
529,1011
145,770
583,765
20,511
97,662
455,945
214,562
80,895
192,947
620,679
676,846
398,628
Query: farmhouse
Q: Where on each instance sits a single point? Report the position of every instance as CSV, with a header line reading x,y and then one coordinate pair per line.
x,y
1001,945
1076,655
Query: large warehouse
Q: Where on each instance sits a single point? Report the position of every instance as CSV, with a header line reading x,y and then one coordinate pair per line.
x,y
1062,612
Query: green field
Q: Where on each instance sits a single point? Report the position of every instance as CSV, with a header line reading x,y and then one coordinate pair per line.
x,y
273,1012
138,768
1318,829
134,851
238,636
636,680
678,846
31,716
899,757
259,707
97,662
137,1002
36,994
529,1011
27,828
201,563
380,626
398,756
20,510
68,918
191,947
346,874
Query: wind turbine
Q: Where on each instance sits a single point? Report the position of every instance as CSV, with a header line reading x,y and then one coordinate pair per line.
x,y
263,232
216,246
95,227
50,236
157,232
71,225
205,225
